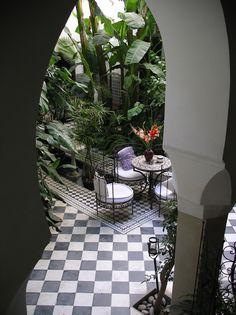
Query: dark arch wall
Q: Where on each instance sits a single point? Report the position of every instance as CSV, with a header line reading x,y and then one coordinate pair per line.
x,y
29,31
230,143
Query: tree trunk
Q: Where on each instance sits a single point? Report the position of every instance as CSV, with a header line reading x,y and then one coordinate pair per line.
x,y
164,275
100,55
82,33
84,46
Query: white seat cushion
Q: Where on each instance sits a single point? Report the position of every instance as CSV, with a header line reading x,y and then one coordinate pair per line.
x,y
165,190
118,193
129,175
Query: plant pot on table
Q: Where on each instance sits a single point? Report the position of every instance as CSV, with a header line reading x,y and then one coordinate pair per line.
x,y
148,154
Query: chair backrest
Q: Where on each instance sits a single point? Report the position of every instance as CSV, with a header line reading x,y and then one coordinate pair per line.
x,y
100,185
125,157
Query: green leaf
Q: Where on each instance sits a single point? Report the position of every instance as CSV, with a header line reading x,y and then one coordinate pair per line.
x,y
43,101
154,68
129,79
66,30
136,110
132,19
107,25
120,52
120,29
131,5
101,38
82,87
83,79
98,11
136,51
70,166
67,49
54,59
128,82
62,134
56,163
113,60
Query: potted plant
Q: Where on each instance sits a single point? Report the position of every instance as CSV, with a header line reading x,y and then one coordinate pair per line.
x,y
167,250
148,137
89,120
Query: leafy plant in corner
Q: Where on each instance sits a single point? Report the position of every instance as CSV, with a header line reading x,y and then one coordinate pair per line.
x,y
47,165
167,250
89,121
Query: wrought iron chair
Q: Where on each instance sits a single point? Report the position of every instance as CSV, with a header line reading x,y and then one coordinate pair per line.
x,y
165,190
163,182
124,173
110,194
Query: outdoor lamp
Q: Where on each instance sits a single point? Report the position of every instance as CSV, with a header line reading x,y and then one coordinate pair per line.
x,y
153,252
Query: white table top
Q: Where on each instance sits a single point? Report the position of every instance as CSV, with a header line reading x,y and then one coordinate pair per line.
x,y
140,163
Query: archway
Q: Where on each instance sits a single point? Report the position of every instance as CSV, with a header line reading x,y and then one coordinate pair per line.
x,y
179,24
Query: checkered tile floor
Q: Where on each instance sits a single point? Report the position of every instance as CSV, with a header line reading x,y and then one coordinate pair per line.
x,y
91,269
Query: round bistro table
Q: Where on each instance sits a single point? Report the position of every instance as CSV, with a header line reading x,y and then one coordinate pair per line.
x,y
139,163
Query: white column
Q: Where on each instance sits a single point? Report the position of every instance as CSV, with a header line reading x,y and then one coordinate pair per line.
x,y
196,110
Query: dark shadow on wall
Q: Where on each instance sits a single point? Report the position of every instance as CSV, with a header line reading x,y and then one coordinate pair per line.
x,y
29,33
230,144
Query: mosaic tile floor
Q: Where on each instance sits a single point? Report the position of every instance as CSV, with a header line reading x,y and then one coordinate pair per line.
x,y
84,200
91,269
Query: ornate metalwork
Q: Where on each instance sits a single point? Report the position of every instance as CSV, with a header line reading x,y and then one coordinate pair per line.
x,y
228,270
115,205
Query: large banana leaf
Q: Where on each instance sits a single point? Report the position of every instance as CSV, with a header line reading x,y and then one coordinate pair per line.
x,y
107,24
101,38
155,69
62,134
136,51
136,110
120,30
132,19
67,48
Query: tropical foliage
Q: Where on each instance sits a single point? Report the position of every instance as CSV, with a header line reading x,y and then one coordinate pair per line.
x,y
78,87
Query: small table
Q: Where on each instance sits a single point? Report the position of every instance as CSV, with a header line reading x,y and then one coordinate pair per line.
x,y
139,163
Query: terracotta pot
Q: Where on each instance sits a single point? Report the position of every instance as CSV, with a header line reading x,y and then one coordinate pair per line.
x,y
148,154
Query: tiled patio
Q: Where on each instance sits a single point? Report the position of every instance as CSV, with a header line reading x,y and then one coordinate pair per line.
x,y
91,269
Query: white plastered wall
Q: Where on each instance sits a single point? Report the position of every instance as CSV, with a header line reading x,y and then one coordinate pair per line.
x,y
197,95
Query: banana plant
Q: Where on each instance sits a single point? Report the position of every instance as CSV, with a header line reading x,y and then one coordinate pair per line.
x,y
47,165
57,89
64,140
89,119
48,137
94,22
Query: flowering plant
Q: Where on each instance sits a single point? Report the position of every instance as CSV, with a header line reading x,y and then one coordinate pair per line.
x,y
148,136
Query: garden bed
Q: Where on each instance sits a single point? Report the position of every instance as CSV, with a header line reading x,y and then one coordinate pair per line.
x,y
146,304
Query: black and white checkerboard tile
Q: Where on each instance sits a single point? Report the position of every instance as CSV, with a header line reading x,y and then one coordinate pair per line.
x,y
91,269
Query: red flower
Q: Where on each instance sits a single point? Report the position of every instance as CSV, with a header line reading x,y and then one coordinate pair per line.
x,y
154,132
145,135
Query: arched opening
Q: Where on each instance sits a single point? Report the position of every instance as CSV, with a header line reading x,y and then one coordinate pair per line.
x,y
26,97
131,263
